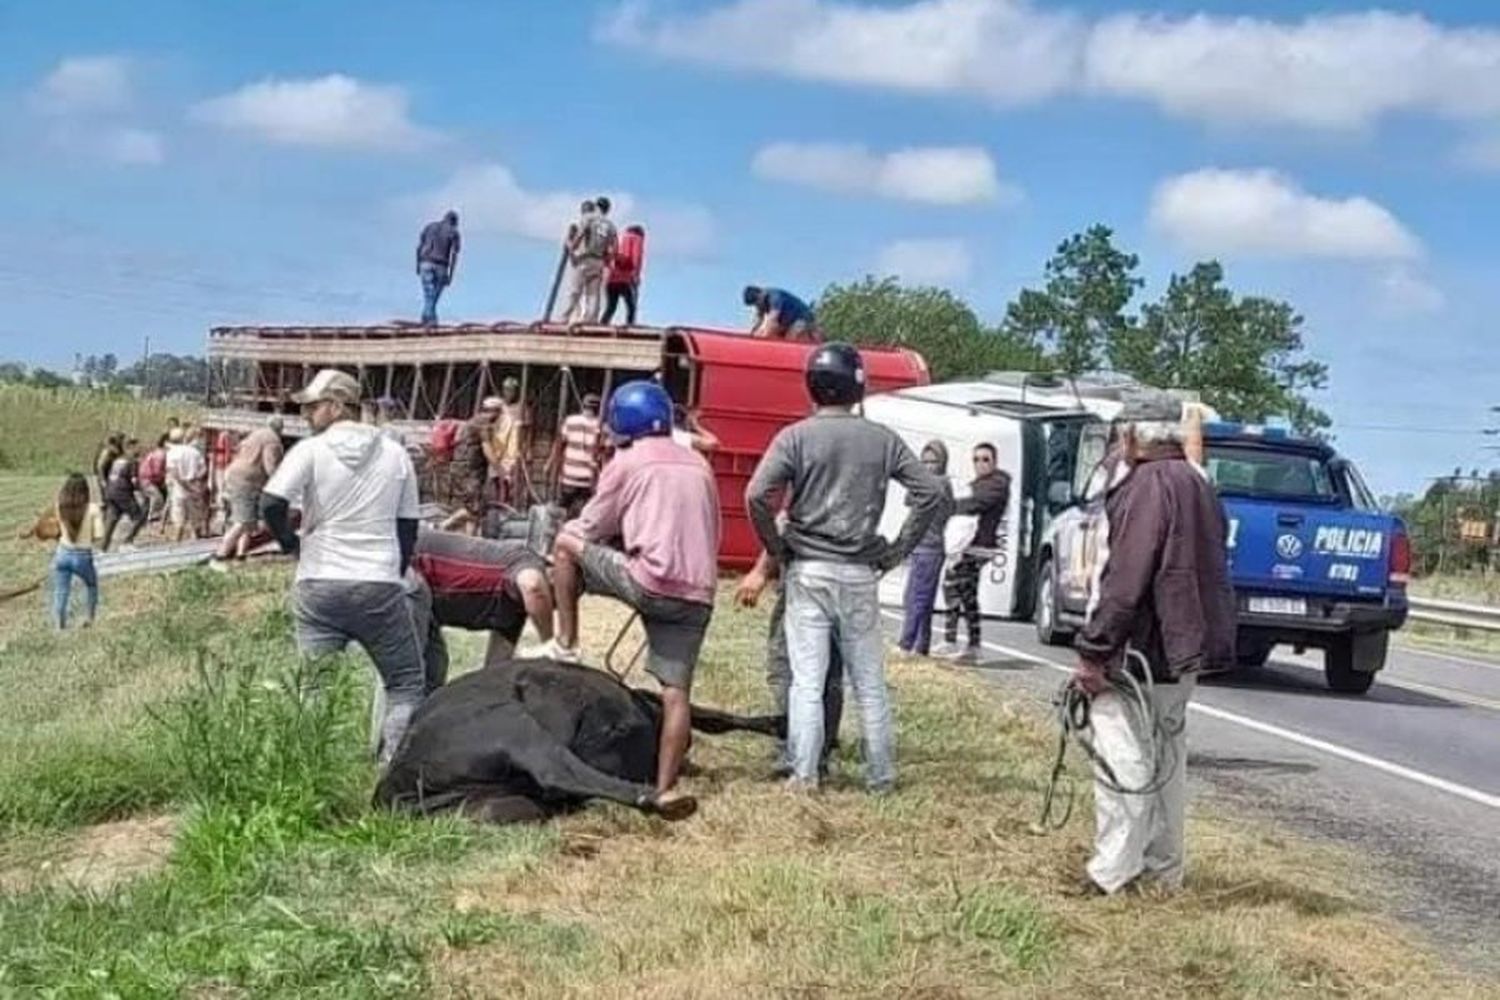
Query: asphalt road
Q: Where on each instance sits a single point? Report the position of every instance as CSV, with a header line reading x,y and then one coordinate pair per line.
x,y
1408,774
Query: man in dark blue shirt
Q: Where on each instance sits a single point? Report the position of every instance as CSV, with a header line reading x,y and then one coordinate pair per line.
x,y
437,259
780,315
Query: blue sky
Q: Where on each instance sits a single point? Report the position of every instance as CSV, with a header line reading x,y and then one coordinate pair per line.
x,y
167,165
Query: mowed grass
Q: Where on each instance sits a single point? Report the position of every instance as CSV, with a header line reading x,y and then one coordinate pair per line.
x,y
182,816
52,431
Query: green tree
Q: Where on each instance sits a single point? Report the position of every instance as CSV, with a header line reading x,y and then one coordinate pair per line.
x,y
45,378
1243,354
12,371
931,321
1081,310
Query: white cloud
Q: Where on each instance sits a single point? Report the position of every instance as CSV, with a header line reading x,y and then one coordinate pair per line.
x,y
1003,50
1406,293
489,198
938,175
331,112
133,147
86,84
1325,71
1265,213
926,261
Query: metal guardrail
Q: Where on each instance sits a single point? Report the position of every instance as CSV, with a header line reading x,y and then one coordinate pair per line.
x,y
1455,614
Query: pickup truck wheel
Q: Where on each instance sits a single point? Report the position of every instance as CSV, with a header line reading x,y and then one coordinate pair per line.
x,y
1353,660
1048,632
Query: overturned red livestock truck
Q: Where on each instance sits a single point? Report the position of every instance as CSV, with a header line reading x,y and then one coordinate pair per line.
x,y
743,390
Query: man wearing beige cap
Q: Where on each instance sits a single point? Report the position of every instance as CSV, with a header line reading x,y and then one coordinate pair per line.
x,y
357,492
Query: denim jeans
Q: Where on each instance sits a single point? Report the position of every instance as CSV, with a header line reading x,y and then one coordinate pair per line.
x,y
67,564
779,680
923,570
837,602
434,280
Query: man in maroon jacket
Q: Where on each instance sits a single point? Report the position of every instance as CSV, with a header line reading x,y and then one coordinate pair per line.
x,y
1164,611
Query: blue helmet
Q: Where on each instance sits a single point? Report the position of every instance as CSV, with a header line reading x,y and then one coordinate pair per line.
x,y
639,409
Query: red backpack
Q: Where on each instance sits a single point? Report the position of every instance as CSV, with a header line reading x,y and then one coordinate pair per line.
x,y
444,438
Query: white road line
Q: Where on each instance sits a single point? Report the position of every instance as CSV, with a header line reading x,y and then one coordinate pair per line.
x,y
1468,661
1291,736
1386,679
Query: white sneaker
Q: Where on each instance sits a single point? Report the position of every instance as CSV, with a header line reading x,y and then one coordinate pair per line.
x,y
948,651
550,650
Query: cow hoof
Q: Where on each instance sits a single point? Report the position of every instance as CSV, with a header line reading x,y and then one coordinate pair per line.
x,y
674,806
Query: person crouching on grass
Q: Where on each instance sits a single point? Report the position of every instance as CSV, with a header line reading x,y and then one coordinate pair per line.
x,y
358,494
661,499
1163,593
835,467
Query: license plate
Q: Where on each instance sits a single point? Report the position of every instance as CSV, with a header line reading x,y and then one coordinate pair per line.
x,y
1278,606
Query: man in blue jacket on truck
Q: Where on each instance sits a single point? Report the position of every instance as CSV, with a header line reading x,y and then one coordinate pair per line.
x,y
1165,611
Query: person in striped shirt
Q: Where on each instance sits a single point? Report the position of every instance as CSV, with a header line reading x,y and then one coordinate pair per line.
x,y
576,455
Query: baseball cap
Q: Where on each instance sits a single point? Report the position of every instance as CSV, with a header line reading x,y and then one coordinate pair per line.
x,y
1150,406
332,385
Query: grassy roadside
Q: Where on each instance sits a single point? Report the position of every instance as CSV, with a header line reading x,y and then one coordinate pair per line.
x,y
50,431
261,873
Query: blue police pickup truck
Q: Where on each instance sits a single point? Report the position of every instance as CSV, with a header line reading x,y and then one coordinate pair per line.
x,y
1314,561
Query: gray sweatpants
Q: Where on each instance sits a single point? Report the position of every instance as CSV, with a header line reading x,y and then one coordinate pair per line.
x,y
330,614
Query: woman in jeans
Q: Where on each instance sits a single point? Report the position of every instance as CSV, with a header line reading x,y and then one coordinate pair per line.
x,y
925,566
79,524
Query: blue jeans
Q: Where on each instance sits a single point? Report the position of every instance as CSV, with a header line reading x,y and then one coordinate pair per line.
x,y
434,280
67,564
836,603
923,570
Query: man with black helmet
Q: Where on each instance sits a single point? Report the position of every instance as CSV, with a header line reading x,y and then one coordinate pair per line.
x,y
661,500
835,466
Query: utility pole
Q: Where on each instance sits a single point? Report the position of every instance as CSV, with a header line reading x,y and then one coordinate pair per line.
x,y
146,369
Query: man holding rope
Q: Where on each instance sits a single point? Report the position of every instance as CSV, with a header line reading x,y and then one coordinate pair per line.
x,y
1164,612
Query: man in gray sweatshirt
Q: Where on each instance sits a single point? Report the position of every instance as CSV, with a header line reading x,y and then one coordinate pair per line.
x,y
836,466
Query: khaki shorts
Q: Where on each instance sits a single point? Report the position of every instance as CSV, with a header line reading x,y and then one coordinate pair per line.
x,y
674,628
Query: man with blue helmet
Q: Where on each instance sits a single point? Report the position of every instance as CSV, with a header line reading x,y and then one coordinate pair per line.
x,y
660,498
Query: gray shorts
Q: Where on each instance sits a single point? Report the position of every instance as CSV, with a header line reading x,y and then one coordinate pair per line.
x,y
244,505
330,614
674,628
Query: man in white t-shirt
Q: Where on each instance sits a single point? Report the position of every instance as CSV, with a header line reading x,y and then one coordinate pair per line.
x,y
357,491
186,468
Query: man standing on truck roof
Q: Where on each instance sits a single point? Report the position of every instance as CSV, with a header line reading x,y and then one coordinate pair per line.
x,y
592,249
624,280
989,495
437,262
780,315
357,491
836,467
1165,611
661,500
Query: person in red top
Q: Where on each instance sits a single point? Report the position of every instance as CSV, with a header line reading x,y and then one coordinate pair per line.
x,y
152,477
624,280
224,446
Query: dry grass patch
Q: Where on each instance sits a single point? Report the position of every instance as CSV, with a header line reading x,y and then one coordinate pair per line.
x,y
95,859
940,890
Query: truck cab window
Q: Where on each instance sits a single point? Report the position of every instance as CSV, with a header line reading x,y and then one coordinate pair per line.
x,y
1062,461
1093,445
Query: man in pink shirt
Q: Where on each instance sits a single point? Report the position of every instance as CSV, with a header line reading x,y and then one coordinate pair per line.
x,y
660,499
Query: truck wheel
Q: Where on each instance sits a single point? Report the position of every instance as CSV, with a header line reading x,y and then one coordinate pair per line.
x,y
1252,654
1048,632
1352,661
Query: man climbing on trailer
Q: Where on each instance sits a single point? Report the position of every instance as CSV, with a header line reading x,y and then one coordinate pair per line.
x,y
576,455
661,500
469,468
437,262
780,315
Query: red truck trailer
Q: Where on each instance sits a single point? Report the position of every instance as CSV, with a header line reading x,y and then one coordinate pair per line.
x,y
744,390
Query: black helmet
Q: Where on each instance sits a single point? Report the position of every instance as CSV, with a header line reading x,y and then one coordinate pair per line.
x,y
836,375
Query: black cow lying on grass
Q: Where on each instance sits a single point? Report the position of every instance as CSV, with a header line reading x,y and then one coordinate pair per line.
x,y
527,739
